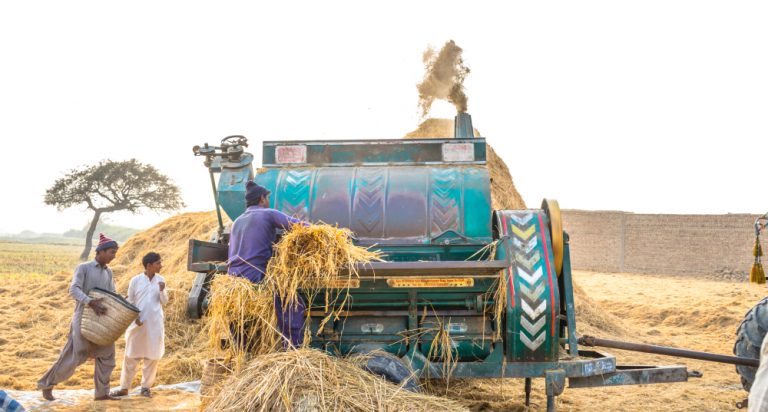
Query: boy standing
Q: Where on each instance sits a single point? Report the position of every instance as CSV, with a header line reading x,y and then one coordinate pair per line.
x,y
145,338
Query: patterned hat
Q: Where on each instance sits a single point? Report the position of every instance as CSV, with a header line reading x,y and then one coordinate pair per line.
x,y
105,243
254,191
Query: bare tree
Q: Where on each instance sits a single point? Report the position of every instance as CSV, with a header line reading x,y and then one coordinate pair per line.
x,y
112,186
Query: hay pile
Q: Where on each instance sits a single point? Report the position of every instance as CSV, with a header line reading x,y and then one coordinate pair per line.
x,y
311,258
36,315
307,260
310,380
504,195
593,319
241,321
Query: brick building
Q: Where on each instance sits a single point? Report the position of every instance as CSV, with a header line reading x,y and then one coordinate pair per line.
x,y
671,244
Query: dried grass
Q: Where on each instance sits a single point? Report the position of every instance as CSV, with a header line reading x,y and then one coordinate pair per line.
x,y
310,380
309,260
241,320
500,299
498,293
441,348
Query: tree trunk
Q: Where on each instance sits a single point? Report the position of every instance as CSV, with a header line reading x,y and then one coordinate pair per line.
x,y
89,236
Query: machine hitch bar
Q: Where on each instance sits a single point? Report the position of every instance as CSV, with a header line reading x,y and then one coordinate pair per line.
x,y
667,350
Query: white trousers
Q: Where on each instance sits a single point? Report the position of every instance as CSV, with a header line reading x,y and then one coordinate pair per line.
x,y
131,365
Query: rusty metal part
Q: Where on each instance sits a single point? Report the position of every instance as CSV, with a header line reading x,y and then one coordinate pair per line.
x,y
635,375
527,392
668,351
743,404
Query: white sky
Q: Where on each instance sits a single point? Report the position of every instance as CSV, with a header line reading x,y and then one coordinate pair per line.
x,y
651,107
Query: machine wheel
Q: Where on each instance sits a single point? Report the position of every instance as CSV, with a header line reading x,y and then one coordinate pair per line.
x,y
392,369
749,338
552,209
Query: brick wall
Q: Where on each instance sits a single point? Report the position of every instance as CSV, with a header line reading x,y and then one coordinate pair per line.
x,y
675,244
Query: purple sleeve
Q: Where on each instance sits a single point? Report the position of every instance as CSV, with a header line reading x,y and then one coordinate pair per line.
x,y
283,221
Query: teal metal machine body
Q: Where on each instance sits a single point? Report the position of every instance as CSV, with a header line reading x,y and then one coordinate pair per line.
x,y
403,198
425,204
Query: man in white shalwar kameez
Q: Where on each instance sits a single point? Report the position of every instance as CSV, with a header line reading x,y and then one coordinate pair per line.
x,y
145,338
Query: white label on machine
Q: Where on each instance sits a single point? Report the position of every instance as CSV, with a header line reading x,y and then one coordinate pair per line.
x,y
372,328
458,152
291,154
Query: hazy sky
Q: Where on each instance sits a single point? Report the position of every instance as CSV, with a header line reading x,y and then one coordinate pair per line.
x,y
651,107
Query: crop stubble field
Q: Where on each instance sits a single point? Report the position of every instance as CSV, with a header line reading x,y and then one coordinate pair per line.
x,y
687,312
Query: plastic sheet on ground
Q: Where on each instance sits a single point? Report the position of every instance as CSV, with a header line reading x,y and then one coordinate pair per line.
x,y
165,397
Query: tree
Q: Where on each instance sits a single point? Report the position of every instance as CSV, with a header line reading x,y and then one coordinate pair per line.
x,y
112,186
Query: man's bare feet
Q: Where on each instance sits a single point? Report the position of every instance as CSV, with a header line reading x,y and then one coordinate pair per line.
x,y
106,398
48,394
121,392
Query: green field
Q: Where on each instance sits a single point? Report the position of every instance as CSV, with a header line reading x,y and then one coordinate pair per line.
x,y
34,259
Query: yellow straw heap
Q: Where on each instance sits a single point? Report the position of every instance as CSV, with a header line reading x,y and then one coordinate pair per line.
x,y
310,259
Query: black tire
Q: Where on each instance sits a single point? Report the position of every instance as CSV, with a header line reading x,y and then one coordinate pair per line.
x,y
749,338
392,369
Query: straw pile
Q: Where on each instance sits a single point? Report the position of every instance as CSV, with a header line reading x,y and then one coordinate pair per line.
x,y
240,321
310,259
593,319
503,193
310,380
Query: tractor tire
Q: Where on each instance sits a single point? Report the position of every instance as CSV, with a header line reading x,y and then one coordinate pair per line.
x,y
392,369
749,339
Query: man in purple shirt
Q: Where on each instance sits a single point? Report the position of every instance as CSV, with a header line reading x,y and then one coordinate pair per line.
x,y
250,248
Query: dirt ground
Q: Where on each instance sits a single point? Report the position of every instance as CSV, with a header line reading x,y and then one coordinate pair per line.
x,y
687,312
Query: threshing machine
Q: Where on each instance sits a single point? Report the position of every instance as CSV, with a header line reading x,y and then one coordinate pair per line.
x,y
426,205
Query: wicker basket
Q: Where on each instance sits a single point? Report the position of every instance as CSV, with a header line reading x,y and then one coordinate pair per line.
x,y
106,329
215,371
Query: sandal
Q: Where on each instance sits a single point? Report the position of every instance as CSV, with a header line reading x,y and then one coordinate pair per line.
x,y
121,392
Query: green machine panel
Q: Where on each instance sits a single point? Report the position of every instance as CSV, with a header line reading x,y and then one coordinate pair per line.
x,y
396,204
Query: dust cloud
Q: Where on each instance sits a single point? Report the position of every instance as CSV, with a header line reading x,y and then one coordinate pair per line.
x,y
444,78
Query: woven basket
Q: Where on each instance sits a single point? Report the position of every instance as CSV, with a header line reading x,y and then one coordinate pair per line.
x,y
106,329
215,371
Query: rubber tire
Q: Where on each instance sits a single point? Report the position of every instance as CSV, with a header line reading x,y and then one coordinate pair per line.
x,y
749,339
394,370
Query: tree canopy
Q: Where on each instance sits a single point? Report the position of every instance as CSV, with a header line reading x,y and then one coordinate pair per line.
x,y
111,186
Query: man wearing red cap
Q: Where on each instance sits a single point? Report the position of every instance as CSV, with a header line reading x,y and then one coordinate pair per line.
x,y
250,248
77,350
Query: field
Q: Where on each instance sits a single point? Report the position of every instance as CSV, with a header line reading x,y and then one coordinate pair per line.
x,y
28,259
687,312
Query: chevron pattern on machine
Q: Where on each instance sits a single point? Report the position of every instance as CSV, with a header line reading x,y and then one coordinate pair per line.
x,y
444,207
295,194
530,272
368,204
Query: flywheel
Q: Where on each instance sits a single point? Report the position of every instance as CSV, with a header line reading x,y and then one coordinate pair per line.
x,y
552,209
